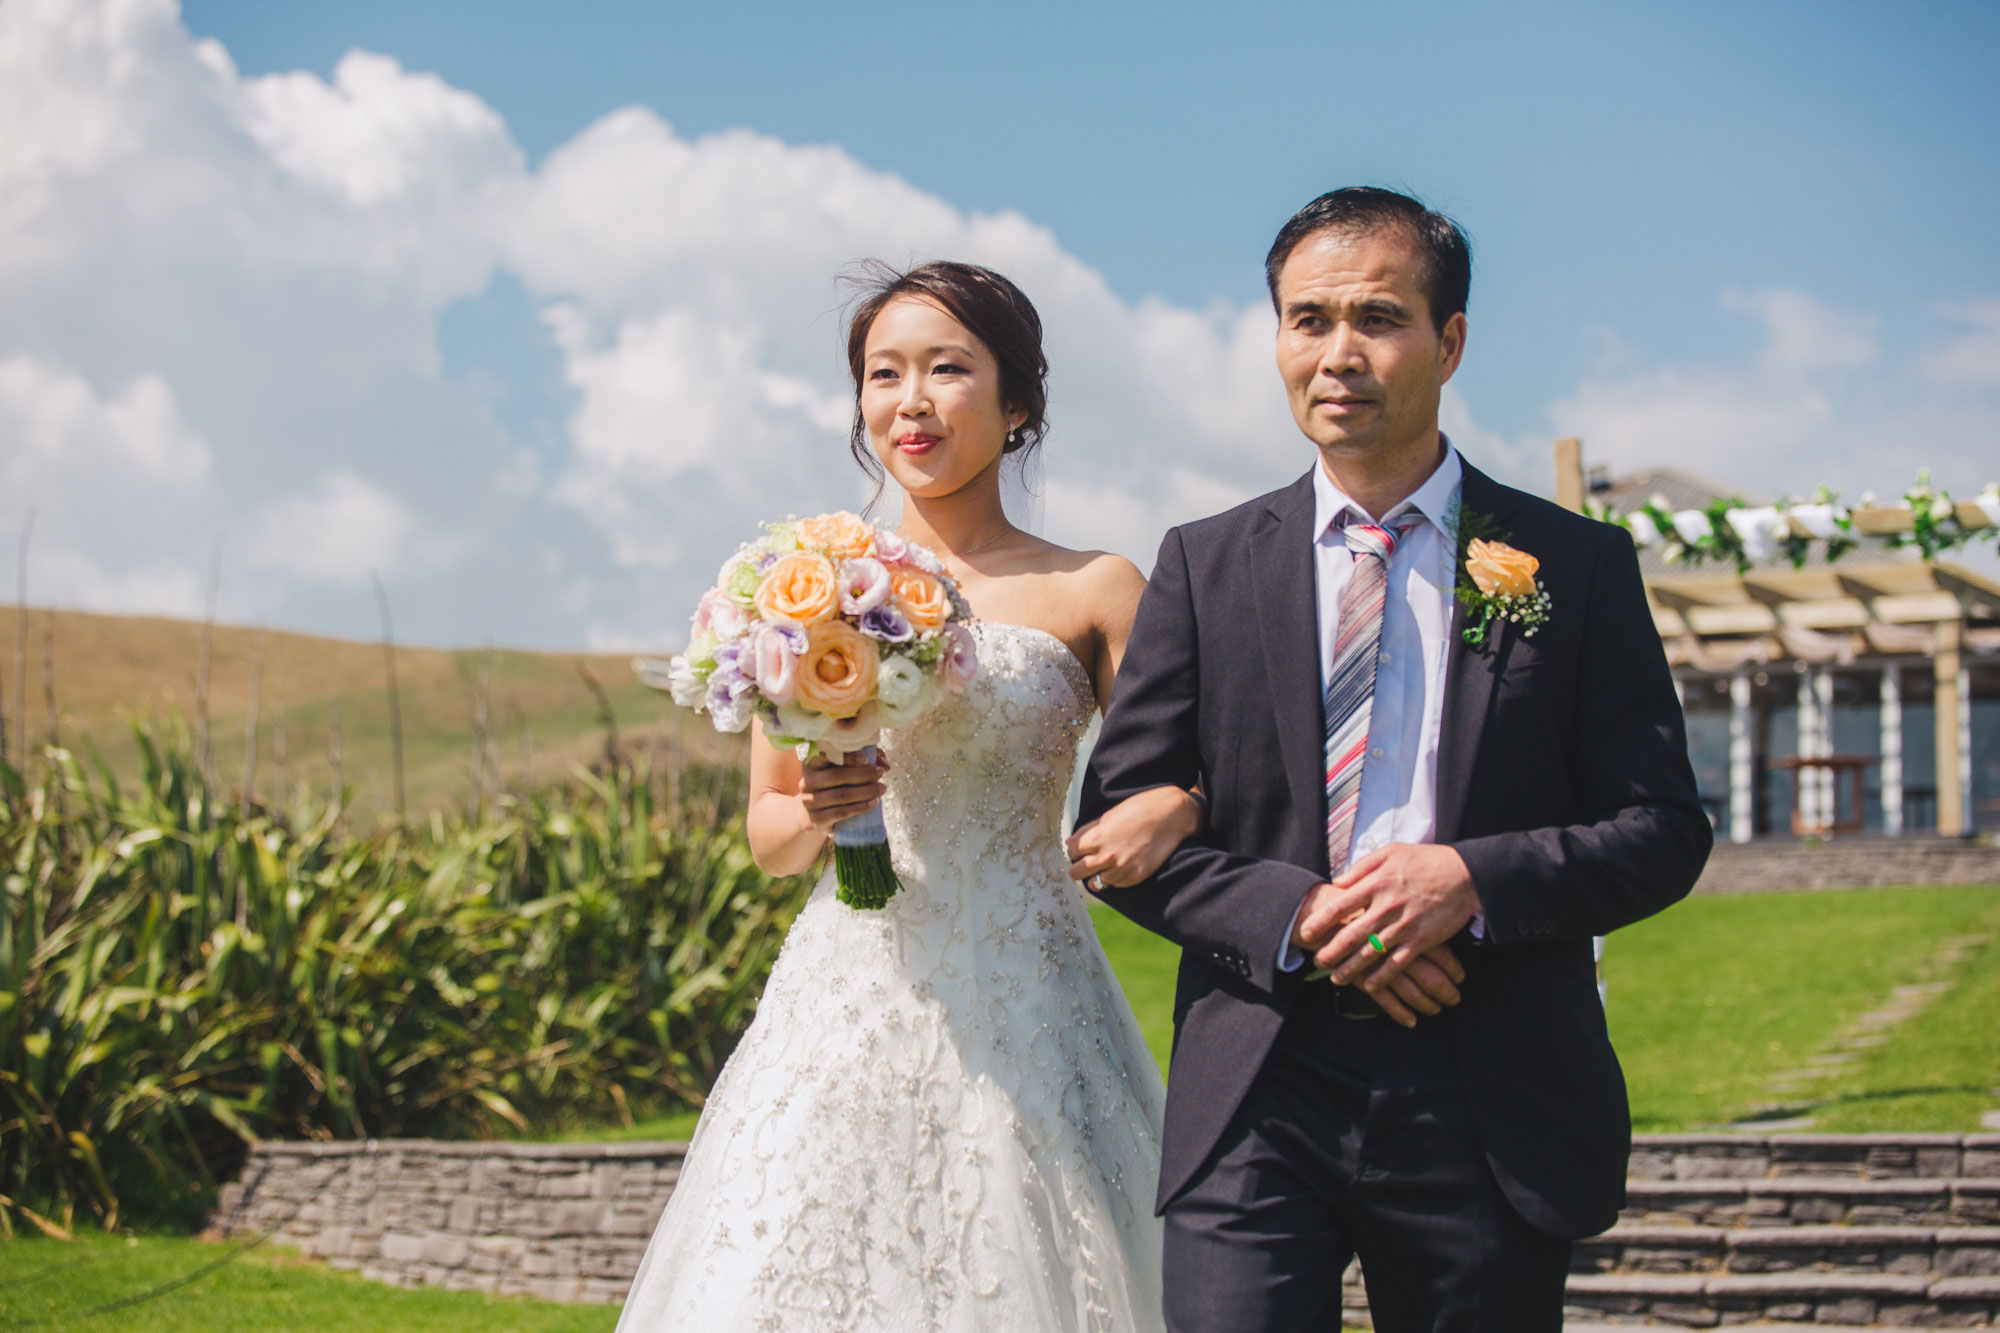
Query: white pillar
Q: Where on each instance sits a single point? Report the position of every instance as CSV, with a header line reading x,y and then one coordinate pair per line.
x,y
1892,749
1805,792
1966,823
1742,757
1824,797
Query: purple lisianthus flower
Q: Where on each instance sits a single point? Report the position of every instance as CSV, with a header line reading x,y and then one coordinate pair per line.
x,y
887,624
732,696
728,659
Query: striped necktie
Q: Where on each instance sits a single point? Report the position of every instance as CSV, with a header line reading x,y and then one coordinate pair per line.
x,y
1350,686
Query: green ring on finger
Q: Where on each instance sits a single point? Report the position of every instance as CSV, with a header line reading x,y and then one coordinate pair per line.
x,y
1375,943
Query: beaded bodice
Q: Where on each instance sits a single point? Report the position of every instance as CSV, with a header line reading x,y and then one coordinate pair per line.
x,y
977,787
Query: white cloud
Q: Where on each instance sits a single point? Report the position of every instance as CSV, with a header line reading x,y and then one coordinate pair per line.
x,y
67,576
50,417
1973,356
101,470
1820,401
340,532
227,291
272,254
377,135
1803,334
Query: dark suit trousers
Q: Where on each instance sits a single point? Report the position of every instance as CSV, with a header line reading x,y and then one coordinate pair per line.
x,y
1356,1139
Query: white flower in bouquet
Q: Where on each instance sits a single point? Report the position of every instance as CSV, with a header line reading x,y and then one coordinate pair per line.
x,y
864,585
902,689
688,687
795,725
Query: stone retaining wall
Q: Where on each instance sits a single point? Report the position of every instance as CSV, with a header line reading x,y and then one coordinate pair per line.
x,y
1838,863
564,1222
568,1222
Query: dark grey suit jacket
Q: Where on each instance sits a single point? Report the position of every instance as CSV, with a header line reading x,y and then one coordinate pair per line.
x,y
1563,780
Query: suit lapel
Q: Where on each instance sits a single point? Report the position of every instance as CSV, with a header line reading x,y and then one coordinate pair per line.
x,y
1281,558
1470,673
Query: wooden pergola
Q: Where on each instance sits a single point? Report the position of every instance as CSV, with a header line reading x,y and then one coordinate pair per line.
x,y
1873,610
1890,617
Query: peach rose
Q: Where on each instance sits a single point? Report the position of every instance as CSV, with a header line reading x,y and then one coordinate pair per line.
x,y
837,671
1499,570
841,536
799,589
920,597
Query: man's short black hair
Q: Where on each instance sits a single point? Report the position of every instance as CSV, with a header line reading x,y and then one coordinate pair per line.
x,y
1360,209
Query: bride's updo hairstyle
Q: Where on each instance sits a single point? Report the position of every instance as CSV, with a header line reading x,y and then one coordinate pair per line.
x,y
991,308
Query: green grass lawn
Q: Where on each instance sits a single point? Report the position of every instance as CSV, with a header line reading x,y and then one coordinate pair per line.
x,y
48,1284
675,1127
1711,998
1145,965
1941,1070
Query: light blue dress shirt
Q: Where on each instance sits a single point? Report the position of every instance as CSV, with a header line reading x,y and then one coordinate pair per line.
x,y
1398,800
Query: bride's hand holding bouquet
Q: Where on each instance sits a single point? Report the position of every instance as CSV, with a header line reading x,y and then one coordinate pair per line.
x,y
829,630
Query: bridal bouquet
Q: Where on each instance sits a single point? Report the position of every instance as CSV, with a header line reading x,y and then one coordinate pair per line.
x,y
828,629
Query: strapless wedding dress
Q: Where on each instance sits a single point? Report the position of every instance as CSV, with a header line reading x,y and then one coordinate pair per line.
x,y
943,1116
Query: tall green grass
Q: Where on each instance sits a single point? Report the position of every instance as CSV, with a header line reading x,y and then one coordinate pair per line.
x,y
179,974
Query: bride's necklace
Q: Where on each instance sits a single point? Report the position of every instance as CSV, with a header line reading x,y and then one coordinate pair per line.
x,y
975,550
1009,530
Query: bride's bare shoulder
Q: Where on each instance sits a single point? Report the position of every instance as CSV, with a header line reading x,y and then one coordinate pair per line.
x,y
1107,583
1090,571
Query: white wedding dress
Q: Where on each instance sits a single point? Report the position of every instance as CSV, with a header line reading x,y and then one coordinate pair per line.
x,y
944,1116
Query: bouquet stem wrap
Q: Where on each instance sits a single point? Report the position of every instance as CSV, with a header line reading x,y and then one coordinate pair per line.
x,y
861,866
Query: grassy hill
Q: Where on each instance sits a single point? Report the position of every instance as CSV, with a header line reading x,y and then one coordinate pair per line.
x,y
321,700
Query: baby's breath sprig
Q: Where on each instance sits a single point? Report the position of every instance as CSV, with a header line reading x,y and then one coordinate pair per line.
x,y
1530,611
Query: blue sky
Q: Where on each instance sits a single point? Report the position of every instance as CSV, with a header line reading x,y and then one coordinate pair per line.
x,y
452,309
1618,165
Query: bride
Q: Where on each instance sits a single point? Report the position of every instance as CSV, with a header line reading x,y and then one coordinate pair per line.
x,y
944,1116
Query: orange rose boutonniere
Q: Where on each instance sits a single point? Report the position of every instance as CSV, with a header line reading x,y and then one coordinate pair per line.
x,y
1498,586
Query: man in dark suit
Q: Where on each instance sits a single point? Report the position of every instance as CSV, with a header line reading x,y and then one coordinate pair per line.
x,y
1388,1039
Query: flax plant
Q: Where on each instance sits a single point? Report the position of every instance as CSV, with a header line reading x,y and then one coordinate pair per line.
x,y
182,972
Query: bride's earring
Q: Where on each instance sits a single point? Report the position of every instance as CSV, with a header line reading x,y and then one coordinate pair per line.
x,y
1012,432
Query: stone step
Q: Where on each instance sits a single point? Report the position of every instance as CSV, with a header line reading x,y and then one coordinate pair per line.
x,y
1594,1325
1704,1299
1779,1201
1753,1299
1865,1156
1597,1325
1934,1251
